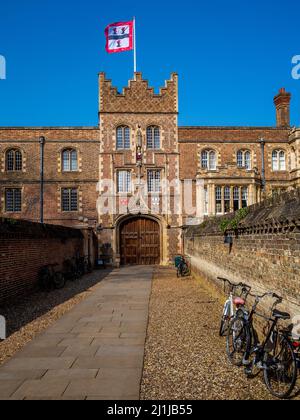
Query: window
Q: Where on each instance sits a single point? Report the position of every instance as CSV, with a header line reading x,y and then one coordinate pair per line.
x,y
278,160
123,138
208,160
13,160
13,200
69,199
205,200
124,181
236,198
244,159
227,199
70,160
244,197
154,178
153,137
218,199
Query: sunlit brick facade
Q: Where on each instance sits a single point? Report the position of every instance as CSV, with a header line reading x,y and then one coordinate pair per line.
x,y
137,163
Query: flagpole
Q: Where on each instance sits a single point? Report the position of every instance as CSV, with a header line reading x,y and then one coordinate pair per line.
x,y
134,46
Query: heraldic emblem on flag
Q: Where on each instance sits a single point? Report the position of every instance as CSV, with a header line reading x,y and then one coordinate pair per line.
x,y
119,37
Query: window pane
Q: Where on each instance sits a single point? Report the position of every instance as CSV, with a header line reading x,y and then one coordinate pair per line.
x,y
204,160
66,161
74,199
236,198
13,200
248,160
69,199
74,161
18,160
156,138
119,138
124,181
154,181
150,142
240,159
126,138
282,161
10,159
244,197
275,161
212,161
9,200
219,199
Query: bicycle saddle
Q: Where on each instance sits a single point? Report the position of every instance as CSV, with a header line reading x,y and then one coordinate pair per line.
x,y
281,315
239,301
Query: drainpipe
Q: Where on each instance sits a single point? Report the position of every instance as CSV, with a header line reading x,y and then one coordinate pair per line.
x,y
263,172
42,147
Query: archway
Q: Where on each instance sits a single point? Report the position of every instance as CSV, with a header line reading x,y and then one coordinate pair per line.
x,y
140,241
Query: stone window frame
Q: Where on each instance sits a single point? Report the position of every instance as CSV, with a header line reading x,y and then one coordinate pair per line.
x,y
123,126
23,160
157,170
153,127
236,191
131,188
276,165
70,150
79,199
209,151
60,159
244,152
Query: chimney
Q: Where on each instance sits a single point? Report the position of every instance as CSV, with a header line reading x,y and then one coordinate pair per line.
x,y
282,104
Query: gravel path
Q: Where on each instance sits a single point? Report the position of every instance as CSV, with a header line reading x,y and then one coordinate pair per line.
x,y
29,316
185,358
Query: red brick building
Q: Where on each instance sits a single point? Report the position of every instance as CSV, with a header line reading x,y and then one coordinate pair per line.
x,y
137,178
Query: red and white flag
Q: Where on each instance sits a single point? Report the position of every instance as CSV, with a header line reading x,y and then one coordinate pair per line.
x,y
119,37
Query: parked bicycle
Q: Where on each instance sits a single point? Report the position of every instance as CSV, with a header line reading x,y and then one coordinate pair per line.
x,y
50,278
275,356
238,293
183,266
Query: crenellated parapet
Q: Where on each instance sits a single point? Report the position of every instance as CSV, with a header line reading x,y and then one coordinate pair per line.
x,y
138,97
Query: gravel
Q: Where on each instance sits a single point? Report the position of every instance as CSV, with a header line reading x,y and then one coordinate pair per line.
x,y
185,358
28,316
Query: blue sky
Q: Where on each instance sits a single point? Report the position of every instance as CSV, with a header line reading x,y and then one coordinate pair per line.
x,y
232,57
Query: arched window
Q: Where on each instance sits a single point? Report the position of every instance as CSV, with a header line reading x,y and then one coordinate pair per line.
x,y
244,159
123,137
209,160
153,137
278,160
13,160
70,160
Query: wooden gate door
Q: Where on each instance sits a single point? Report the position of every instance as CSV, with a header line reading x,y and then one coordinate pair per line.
x,y
140,242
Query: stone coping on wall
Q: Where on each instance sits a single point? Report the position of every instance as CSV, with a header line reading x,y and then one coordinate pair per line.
x,y
26,229
273,214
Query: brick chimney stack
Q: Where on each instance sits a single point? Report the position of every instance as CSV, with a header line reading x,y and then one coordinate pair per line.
x,y
282,104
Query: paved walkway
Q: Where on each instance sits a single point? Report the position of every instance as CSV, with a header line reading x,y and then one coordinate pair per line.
x,y
96,351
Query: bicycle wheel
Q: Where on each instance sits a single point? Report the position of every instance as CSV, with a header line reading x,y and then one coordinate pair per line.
x,y
224,326
44,282
59,281
238,339
280,373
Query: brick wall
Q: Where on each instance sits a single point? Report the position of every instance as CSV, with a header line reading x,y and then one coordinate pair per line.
x,y
25,247
265,252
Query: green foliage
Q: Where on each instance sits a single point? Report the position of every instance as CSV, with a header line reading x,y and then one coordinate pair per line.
x,y
232,224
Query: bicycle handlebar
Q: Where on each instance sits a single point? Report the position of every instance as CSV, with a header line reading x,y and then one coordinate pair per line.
x,y
234,284
270,294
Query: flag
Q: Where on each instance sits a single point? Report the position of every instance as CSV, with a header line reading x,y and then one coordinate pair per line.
x,y
119,37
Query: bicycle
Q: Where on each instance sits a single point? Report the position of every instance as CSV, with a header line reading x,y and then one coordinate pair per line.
x,y
275,356
50,279
232,302
183,268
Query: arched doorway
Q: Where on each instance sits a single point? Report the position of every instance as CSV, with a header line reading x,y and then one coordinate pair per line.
x,y
140,241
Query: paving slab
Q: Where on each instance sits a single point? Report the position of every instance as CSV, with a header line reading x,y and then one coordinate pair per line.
x,y
95,351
